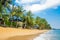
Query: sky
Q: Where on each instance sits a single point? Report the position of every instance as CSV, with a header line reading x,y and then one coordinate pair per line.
x,y
48,9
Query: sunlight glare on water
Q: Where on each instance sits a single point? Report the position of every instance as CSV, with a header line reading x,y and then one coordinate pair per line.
x,y
51,35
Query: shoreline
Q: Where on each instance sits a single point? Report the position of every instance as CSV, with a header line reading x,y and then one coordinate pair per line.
x,y
19,34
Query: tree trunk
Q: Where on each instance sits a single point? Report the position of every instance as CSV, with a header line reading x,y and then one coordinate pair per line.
x,y
16,24
0,23
11,23
4,23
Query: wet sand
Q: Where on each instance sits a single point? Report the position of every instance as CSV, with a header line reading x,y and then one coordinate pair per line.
x,y
19,34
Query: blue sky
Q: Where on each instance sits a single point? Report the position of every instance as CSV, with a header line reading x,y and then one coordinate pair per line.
x,y
52,16
48,9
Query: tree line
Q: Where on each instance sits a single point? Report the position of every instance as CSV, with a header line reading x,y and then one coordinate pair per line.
x,y
10,16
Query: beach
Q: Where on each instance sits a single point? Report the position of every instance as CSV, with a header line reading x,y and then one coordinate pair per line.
x,y
19,33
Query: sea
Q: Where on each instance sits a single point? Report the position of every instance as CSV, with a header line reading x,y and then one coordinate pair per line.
x,y
50,35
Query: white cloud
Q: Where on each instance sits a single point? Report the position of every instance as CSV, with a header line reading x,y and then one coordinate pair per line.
x,y
29,1
26,1
38,7
17,1
46,5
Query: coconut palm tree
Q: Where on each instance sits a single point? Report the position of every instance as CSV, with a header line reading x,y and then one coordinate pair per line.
x,y
29,19
4,4
12,13
38,21
44,24
19,13
41,22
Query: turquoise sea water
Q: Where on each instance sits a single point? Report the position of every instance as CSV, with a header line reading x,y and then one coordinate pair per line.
x,y
50,35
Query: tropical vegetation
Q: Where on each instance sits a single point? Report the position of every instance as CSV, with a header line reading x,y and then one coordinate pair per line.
x,y
15,16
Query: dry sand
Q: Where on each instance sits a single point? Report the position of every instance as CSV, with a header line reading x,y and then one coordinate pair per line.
x,y
19,34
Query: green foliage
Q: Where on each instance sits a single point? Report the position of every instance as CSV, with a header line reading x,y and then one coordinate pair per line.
x,y
27,17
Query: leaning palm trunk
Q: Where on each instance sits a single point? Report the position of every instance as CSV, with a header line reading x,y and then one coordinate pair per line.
x,y
0,22
11,23
4,23
11,20
16,23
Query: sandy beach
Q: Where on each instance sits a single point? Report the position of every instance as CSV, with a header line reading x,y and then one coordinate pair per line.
x,y
19,34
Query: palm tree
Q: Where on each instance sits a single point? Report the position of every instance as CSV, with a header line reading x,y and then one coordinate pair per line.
x,y
38,21
19,13
48,26
6,19
29,19
12,13
0,11
4,4
43,23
